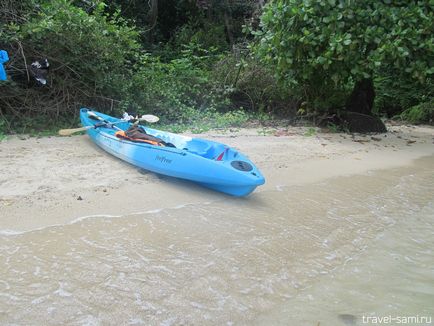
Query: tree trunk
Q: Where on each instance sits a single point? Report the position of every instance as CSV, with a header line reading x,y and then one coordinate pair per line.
x,y
152,16
358,116
227,18
362,97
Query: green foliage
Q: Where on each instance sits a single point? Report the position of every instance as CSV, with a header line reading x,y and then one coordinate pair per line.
x,y
208,36
319,47
395,95
310,132
94,48
212,120
250,85
177,90
334,128
90,56
97,60
421,113
264,131
192,65
231,119
3,129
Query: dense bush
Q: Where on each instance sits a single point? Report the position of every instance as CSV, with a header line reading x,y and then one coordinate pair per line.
x,y
187,60
394,95
319,48
177,90
251,85
421,113
97,58
89,55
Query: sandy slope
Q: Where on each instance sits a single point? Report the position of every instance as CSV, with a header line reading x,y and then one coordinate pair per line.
x,y
56,180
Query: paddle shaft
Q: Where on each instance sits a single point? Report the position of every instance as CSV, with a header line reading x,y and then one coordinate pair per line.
x,y
93,115
67,132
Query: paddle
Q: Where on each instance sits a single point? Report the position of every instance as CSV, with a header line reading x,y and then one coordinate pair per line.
x,y
67,132
93,115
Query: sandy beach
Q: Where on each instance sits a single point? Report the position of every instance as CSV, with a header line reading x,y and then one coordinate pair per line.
x,y
341,231
53,180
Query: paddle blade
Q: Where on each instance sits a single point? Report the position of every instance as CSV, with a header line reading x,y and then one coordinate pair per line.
x,y
68,132
149,118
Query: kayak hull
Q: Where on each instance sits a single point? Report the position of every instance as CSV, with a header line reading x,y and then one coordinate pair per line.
x,y
210,164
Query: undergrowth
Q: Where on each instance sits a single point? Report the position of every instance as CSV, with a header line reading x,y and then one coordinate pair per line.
x,y
421,113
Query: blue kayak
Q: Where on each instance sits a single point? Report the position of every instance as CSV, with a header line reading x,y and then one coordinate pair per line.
x,y
210,164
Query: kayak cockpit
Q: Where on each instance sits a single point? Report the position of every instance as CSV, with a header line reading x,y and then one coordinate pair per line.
x,y
204,148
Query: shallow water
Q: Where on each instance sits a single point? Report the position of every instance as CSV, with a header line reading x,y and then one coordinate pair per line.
x,y
331,253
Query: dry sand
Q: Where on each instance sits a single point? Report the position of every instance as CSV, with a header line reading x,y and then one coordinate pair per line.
x,y
54,180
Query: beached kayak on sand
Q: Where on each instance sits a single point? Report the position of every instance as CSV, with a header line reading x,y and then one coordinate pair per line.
x,y
211,164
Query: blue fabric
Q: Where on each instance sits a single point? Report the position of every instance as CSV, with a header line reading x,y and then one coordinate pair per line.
x,y
3,58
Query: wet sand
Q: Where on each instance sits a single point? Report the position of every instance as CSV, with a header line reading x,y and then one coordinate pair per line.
x,y
54,180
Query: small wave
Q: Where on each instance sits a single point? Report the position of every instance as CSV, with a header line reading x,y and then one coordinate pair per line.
x,y
8,232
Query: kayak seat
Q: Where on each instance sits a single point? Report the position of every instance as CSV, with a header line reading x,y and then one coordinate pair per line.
x,y
207,150
201,148
123,135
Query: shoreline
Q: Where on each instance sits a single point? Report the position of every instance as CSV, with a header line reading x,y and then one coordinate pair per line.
x,y
56,181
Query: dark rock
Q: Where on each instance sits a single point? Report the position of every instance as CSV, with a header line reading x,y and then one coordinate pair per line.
x,y
353,122
362,123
